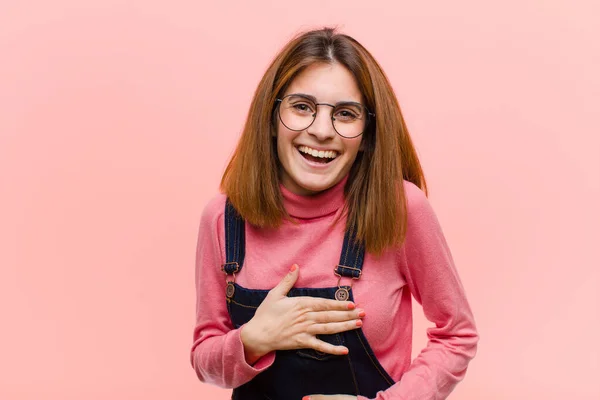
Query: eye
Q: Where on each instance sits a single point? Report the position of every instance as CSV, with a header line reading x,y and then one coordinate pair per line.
x,y
346,115
302,107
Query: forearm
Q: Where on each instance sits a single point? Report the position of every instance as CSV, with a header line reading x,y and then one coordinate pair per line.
x,y
217,353
433,280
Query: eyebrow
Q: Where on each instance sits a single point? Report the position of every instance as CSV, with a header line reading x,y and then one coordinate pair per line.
x,y
314,99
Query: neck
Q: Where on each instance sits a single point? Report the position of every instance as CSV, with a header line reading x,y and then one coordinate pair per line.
x,y
314,205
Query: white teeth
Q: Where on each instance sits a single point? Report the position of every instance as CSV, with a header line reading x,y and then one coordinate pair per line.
x,y
318,153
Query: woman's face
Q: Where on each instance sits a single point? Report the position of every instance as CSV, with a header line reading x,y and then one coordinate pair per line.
x,y
302,172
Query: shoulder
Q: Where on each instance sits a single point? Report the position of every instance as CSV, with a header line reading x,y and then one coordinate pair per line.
x,y
416,200
213,211
420,213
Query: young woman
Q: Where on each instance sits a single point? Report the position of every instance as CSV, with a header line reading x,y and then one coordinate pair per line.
x,y
307,262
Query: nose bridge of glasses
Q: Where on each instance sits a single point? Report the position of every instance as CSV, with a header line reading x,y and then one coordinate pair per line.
x,y
329,119
333,106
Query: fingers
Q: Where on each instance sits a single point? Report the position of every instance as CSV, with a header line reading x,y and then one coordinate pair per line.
x,y
334,327
321,304
334,316
307,302
325,347
287,283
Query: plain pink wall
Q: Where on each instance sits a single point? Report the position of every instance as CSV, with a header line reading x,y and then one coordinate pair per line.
x,y
117,119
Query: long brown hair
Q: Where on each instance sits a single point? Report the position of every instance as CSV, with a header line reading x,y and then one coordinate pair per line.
x,y
375,200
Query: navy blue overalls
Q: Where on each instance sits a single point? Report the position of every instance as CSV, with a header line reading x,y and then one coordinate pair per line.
x,y
301,372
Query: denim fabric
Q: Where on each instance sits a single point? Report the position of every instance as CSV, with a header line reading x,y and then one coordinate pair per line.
x,y
296,373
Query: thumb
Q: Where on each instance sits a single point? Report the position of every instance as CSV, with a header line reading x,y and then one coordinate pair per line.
x,y
288,281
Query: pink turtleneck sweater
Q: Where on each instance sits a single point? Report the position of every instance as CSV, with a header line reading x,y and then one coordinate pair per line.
x,y
422,267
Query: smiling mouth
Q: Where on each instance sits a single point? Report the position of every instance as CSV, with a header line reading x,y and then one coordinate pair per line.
x,y
319,156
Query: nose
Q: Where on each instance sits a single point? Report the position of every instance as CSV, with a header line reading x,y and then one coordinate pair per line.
x,y
322,127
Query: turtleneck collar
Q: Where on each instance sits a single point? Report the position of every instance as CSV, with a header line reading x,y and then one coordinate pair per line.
x,y
315,206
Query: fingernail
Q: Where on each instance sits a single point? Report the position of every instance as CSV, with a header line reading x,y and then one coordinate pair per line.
x,y
351,306
359,323
361,313
306,398
293,268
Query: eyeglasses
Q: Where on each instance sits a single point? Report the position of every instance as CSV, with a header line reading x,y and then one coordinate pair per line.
x,y
297,112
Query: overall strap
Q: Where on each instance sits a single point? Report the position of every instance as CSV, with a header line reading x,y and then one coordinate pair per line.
x,y
235,240
352,257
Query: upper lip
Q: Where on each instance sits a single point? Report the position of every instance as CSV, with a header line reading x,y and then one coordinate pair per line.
x,y
318,148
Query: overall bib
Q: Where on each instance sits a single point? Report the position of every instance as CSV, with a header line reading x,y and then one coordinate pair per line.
x,y
296,373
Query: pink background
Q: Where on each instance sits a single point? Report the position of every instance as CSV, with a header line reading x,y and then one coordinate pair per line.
x,y
117,119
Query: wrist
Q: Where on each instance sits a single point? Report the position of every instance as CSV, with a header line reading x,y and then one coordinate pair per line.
x,y
254,348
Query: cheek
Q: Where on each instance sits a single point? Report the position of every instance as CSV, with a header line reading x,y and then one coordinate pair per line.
x,y
284,138
353,147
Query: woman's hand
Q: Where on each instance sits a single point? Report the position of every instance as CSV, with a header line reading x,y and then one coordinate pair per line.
x,y
285,323
329,397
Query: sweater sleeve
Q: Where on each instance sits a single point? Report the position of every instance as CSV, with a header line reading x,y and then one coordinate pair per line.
x,y
217,353
434,282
